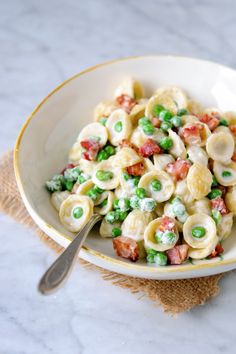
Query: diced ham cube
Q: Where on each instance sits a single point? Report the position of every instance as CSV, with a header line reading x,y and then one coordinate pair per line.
x,y
149,148
126,247
178,169
167,224
212,120
136,170
233,129
219,204
177,254
126,102
191,134
91,149
218,250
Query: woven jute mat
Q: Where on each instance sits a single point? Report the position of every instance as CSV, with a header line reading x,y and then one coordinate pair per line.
x,y
174,296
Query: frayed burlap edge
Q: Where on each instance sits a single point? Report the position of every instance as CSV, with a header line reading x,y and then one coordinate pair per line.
x,y
174,296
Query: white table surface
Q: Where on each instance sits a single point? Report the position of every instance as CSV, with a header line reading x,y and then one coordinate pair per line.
x,y
41,44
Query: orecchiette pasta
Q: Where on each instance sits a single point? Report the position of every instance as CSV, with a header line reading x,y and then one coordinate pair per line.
x,y
199,180
225,174
158,184
220,146
119,126
206,227
75,212
161,170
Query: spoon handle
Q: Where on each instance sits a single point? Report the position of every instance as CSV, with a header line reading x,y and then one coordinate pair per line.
x,y
60,270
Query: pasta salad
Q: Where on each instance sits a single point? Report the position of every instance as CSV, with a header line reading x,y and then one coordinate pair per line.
x,y
162,172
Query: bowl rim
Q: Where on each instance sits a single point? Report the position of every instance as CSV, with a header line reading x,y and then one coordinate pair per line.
x,y
49,229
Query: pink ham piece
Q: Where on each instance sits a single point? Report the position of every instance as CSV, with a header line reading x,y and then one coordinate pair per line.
x,y
126,247
177,254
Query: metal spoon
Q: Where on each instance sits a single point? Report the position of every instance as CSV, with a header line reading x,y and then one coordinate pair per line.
x,y
60,270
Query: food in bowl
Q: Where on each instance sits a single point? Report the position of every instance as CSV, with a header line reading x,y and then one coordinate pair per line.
x,y
162,172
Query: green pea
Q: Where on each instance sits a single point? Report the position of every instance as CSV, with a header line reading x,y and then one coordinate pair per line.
x,y
81,179
92,194
121,215
165,115
224,122
134,202
166,143
57,183
118,127
126,176
116,204
104,203
141,193
143,121
198,231
136,180
69,185
111,217
110,150
78,212
103,121
226,174
157,109
116,231
98,189
215,193
102,155
104,175
216,215
182,112
214,182
166,126
156,185
160,259
176,121
148,129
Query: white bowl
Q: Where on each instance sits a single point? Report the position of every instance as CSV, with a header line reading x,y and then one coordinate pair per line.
x,y
42,146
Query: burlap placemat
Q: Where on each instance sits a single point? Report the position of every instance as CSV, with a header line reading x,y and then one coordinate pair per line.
x,y
173,295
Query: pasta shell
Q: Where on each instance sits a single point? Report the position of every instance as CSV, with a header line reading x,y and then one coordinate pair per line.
x,y
194,107
202,220
219,170
199,180
148,165
181,190
230,199
149,237
135,224
103,109
230,117
189,119
137,112
220,146
162,160
178,149
197,155
119,116
130,87
126,157
110,196
160,99
67,208
167,185
58,197
111,183
177,95
224,228
75,153
87,166
199,206
200,253
85,187
94,130
138,138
